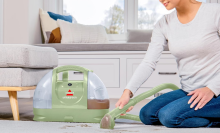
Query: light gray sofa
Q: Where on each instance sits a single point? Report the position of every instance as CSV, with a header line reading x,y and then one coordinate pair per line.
x,y
22,67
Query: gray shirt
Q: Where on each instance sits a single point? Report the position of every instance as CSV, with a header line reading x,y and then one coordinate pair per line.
x,y
195,46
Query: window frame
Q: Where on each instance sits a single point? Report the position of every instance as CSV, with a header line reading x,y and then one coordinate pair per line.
x,y
130,19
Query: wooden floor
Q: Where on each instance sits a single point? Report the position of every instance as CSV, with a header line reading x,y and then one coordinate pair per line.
x,y
26,108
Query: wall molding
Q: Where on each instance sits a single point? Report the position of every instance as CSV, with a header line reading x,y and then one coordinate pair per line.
x,y
1,21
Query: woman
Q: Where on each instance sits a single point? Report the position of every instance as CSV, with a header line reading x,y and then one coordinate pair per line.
x,y
192,32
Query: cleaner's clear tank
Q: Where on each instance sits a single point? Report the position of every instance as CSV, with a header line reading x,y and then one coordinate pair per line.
x,y
97,95
43,92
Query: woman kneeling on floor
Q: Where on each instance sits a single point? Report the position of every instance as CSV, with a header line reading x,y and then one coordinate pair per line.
x,y
193,34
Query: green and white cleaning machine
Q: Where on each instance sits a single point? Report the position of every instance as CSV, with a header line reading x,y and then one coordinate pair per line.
x,y
57,98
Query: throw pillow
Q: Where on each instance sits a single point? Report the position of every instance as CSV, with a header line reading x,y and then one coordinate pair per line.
x,y
139,35
55,36
49,23
58,16
79,33
48,36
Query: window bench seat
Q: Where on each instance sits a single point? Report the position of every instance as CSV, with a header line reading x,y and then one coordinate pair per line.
x,y
139,46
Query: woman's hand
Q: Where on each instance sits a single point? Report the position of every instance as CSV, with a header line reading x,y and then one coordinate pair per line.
x,y
124,100
202,95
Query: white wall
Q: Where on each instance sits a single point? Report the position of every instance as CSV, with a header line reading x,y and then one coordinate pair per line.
x,y
34,21
21,21
15,21
21,26
1,21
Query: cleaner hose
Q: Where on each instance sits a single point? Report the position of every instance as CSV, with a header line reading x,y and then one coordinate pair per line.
x,y
139,98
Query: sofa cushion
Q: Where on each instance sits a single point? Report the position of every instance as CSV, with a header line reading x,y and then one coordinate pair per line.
x,y
21,77
139,35
29,56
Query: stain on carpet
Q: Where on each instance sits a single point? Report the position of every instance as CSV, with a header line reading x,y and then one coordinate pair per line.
x,y
119,131
64,127
81,125
84,125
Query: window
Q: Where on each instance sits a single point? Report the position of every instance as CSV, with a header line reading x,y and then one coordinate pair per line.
x,y
117,15
149,12
109,13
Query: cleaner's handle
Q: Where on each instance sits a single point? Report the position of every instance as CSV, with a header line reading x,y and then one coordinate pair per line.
x,y
130,117
67,68
153,91
123,110
71,68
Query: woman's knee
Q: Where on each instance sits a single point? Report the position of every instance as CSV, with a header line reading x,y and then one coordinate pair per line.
x,y
166,118
144,117
169,116
149,113
147,116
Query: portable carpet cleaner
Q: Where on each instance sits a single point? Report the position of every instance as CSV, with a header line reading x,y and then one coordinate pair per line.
x,y
84,101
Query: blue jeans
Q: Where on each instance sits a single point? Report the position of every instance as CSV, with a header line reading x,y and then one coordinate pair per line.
x,y
171,109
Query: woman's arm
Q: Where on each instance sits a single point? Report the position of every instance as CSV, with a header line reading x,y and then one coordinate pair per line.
x,y
152,56
214,85
217,18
